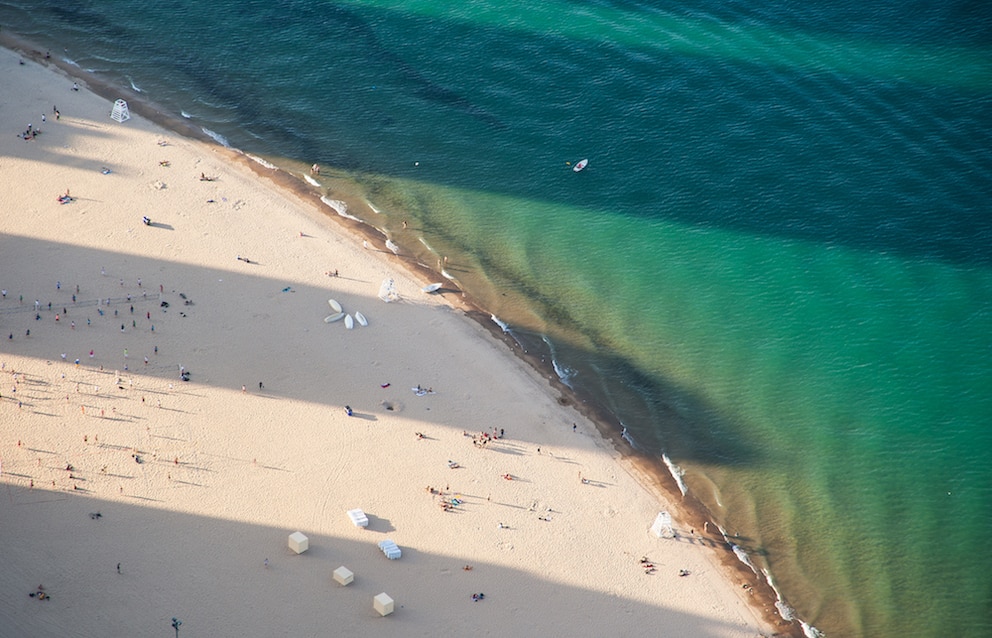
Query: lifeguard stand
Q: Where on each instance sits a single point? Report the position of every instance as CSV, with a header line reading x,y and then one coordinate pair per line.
x,y
662,526
120,112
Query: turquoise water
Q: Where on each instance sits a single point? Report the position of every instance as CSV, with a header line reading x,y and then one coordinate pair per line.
x,y
775,269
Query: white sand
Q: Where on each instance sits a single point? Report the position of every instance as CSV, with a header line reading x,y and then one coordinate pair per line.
x,y
226,475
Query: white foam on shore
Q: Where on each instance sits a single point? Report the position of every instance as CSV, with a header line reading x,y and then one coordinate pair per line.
x,y
625,435
261,161
391,245
339,207
310,180
373,207
217,137
426,245
499,322
186,115
565,374
677,474
70,61
743,557
134,86
785,610
448,275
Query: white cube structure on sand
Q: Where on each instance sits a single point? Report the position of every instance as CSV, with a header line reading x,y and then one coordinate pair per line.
x,y
383,604
343,575
298,542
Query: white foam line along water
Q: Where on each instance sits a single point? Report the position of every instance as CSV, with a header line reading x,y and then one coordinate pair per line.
x,y
565,374
787,612
311,180
677,474
339,207
743,557
499,322
373,207
261,161
217,137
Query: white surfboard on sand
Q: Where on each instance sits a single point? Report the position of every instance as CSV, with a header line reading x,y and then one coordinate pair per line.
x,y
349,323
360,318
432,287
335,317
335,306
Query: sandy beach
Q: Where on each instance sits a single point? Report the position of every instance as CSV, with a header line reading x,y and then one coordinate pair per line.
x,y
134,496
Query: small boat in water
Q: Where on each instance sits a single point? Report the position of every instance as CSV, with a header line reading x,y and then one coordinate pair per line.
x,y
580,165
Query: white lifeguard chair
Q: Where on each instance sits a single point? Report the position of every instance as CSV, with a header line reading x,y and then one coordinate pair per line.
x,y
662,526
120,112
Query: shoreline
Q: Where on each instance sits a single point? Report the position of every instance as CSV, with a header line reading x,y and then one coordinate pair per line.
x,y
649,472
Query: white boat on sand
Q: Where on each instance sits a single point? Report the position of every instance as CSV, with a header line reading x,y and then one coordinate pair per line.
x,y
335,306
349,323
360,318
429,288
335,317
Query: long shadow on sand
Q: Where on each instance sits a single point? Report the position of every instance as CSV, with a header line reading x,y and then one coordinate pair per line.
x,y
177,302
136,567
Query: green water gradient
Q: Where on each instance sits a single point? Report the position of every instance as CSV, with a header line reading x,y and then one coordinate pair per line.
x,y
860,380
753,43
775,267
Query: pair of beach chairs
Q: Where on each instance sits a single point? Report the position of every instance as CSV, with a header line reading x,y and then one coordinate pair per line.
x,y
388,547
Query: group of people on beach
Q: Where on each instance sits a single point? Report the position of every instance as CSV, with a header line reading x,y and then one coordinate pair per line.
x,y
30,133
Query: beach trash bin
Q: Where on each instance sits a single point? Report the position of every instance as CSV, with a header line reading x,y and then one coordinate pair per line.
x,y
343,575
298,542
383,604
